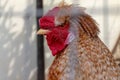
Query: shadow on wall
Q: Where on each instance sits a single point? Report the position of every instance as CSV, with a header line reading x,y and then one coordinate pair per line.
x,y
116,51
18,42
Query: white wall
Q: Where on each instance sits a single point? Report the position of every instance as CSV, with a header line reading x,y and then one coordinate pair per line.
x,y
17,40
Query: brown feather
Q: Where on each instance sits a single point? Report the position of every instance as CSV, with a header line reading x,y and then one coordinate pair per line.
x,y
89,25
68,12
63,4
93,62
86,57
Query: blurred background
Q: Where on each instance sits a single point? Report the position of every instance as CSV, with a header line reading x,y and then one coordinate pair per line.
x,y
25,55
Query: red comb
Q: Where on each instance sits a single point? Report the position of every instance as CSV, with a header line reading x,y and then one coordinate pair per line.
x,y
47,21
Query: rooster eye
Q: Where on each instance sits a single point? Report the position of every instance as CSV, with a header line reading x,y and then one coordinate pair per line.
x,y
61,21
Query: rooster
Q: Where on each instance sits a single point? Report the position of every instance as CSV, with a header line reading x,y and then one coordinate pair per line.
x,y
72,36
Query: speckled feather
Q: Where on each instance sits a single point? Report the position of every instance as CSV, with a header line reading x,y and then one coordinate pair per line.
x,y
92,62
86,57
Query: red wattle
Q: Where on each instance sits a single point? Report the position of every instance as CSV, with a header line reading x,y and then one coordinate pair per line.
x,y
56,39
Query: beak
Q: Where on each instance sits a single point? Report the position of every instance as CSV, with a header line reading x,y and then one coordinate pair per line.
x,y
42,31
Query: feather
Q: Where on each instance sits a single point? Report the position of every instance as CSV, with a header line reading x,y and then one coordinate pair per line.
x,y
85,57
67,13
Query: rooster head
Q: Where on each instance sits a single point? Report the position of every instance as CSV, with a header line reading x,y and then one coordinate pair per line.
x,y
56,25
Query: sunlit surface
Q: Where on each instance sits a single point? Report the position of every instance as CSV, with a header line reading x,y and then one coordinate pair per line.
x,y
18,40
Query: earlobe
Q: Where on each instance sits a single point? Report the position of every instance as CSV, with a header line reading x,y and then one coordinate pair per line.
x,y
69,38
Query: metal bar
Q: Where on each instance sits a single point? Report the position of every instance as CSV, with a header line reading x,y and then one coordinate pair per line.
x,y
40,47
